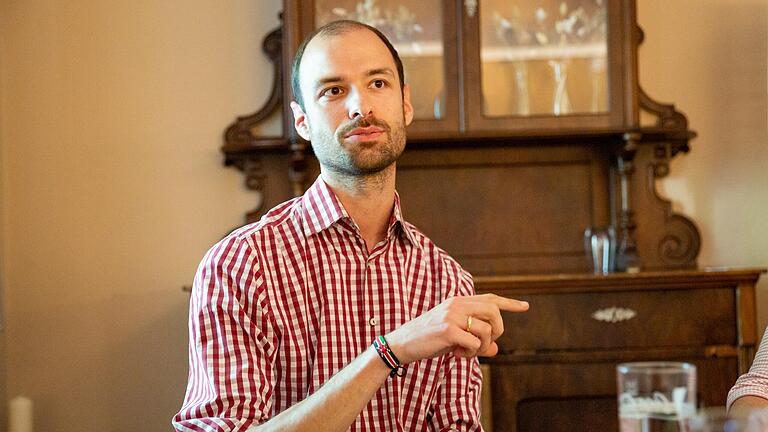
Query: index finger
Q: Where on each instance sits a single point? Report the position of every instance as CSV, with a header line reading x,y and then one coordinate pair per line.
x,y
508,304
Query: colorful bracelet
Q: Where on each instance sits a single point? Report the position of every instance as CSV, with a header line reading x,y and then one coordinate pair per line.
x,y
389,358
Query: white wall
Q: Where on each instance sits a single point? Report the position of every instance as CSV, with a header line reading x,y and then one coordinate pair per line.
x,y
709,58
113,188
2,249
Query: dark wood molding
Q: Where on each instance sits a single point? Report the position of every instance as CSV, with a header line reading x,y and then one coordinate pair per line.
x,y
627,257
667,116
575,357
242,149
679,239
255,180
239,138
584,282
747,312
297,174
665,239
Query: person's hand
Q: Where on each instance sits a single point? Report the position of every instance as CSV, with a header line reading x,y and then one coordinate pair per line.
x,y
757,421
443,328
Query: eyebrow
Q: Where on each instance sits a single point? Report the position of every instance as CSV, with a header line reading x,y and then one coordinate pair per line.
x,y
372,72
381,71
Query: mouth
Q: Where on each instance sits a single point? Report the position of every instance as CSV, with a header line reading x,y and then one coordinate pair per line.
x,y
365,134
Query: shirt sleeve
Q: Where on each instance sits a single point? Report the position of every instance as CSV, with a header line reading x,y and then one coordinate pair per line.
x,y
754,382
231,346
457,403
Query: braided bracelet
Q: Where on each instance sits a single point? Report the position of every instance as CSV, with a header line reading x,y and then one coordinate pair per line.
x,y
389,358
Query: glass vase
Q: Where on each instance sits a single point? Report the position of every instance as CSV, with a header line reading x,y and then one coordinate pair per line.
x,y
561,102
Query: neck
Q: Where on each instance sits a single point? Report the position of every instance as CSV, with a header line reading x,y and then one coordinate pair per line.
x,y
368,200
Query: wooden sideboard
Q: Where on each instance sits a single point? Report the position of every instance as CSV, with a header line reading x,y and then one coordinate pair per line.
x,y
509,191
556,370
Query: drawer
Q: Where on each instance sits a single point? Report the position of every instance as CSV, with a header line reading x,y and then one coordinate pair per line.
x,y
622,319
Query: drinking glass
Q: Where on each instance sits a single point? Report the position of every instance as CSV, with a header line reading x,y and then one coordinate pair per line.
x,y
656,396
600,244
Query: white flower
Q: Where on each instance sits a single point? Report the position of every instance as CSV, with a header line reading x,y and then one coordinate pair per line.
x,y
566,25
541,14
504,23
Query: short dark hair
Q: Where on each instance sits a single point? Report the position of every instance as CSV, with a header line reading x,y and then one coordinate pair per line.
x,y
333,29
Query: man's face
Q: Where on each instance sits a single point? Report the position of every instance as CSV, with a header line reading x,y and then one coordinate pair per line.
x,y
354,112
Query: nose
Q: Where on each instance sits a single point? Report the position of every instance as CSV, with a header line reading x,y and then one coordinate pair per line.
x,y
359,105
360,113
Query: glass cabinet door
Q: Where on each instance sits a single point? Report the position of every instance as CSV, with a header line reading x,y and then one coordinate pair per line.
x,y
547,57
495,68
545,64
418,31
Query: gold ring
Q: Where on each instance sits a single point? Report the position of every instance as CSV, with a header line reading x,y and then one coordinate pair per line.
x,y
469,323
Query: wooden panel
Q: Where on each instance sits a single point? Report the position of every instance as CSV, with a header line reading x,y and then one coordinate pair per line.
x,y
722,277
541,231
663,318
486,399
557,415
512,195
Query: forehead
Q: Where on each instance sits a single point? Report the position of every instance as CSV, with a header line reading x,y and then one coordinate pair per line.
x,y
352,52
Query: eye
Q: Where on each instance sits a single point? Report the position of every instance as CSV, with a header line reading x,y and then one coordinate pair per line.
x,y
331,91
379,83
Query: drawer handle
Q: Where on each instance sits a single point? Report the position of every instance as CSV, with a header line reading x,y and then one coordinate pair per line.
x,y
471,6
614,314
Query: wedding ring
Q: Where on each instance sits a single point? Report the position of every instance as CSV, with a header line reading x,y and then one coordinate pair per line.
x,y
469,323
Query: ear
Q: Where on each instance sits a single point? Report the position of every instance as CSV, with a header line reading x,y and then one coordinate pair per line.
x,y
407,107
300,121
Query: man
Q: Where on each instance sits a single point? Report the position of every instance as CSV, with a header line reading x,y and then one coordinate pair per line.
x,y
750,393
284,311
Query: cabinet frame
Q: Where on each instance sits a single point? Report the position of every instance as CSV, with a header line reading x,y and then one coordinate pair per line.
x,y
622,72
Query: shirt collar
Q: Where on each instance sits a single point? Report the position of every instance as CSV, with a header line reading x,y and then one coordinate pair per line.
x,y
397,221
322,209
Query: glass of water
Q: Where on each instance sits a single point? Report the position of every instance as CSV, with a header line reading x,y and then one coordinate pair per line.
x,y
656,396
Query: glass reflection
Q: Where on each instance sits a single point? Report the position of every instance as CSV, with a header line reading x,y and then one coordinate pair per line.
x,y
546,57
416,31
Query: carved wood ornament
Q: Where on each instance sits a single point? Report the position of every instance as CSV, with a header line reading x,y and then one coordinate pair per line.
x,y
650,234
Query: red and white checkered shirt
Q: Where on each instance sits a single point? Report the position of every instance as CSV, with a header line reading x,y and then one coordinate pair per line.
x,y
281,305
754,382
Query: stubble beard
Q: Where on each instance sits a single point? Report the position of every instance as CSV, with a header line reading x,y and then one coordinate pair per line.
x,y
366,159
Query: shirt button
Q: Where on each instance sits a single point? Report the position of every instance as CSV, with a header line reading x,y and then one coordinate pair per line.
x,y
372,321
